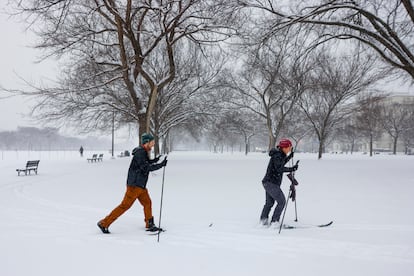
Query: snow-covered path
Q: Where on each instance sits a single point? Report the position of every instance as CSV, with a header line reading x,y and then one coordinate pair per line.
x,y
210,209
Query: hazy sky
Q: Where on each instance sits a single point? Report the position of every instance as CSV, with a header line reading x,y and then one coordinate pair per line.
x,y
17,60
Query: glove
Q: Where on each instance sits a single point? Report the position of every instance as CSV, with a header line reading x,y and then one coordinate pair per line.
x,y
156,159
164,162
295,167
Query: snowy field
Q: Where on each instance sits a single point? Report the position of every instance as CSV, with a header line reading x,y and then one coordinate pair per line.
x,y
211,207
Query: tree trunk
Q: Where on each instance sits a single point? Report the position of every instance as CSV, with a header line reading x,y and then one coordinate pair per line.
x,y
157,145
394,151
321,145
246,143
150,108
370,145
142,128
320,150
272,141
165,144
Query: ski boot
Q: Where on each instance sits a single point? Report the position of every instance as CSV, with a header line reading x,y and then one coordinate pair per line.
x,y
151,226
264,222
103,229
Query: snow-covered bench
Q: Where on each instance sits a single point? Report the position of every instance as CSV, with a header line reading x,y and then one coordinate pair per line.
x,y
94,158
30,166
100,157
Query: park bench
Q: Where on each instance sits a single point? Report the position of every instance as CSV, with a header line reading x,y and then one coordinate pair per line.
x,y
30,166
100,157
124,154
94,158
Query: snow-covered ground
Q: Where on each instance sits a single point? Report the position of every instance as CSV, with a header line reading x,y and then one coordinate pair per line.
x,y
211,208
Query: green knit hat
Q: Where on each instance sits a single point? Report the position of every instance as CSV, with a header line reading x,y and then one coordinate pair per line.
x,y
146,137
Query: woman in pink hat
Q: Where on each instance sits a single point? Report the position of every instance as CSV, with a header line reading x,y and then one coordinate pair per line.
x,y
272,180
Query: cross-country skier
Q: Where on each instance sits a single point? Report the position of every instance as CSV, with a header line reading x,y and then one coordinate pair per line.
x,y
137,179
273,179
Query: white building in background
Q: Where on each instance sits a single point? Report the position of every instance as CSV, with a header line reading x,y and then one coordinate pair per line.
x,y
385,142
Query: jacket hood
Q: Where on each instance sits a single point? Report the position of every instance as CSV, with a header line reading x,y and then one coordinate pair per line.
x,y
134,151
273,151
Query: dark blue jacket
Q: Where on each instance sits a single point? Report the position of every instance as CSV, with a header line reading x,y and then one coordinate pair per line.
x,y
276,167
140,167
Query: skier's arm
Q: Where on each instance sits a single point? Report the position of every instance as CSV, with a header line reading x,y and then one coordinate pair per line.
x,y
145,166
154,167
291,169
280,166
157,166
155,160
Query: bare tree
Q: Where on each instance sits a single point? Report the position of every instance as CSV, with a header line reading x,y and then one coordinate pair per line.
x,y
408,132
216,133
189,95
297,126
271,81
384,26
348,134
112,44
243,124
394,121
336,81
369,116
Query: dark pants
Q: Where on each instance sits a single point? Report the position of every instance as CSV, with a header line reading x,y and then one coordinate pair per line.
x,y
273,193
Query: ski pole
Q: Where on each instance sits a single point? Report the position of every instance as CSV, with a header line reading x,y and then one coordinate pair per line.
x,y
162,195
284,212
296,212
296,208
287,201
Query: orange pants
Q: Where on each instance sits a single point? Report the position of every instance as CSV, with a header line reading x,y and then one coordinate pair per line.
x,y
131,194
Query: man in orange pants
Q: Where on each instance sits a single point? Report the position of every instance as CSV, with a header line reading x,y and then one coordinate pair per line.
x,y
137,180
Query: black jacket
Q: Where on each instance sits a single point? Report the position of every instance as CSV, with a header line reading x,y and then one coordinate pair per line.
x,y
276,166
140,167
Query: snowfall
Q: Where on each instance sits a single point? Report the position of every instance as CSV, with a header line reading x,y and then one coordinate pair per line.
x,y
210,208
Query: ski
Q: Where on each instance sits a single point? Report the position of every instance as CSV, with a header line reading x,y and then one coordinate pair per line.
x,y
155,232
325,225
288,226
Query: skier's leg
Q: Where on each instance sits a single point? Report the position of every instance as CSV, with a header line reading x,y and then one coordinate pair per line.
x,y
128,200
268,203
278,195
145,201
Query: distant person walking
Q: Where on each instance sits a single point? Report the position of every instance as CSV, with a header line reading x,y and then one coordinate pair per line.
x,y
81,151
273,179
137,179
